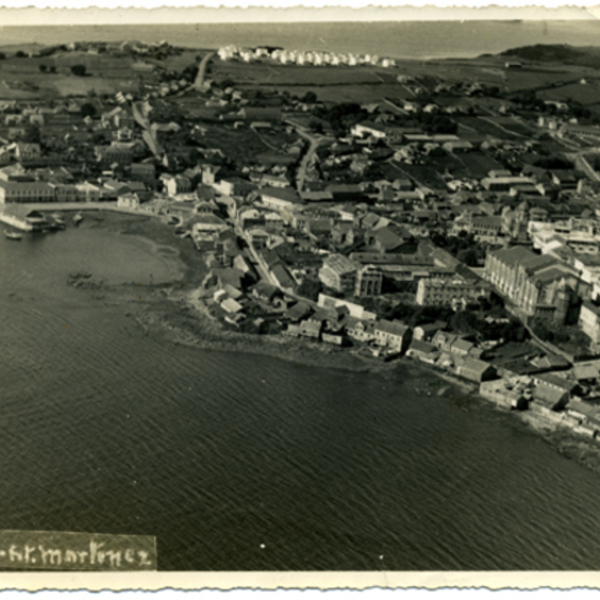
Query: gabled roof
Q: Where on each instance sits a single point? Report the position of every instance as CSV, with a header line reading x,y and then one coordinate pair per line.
x,y
285,194
392,327
513,256
474,364
421,346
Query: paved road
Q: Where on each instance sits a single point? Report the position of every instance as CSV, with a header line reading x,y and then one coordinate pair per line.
x,y
315,141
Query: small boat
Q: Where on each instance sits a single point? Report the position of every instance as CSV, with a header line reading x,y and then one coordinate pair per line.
x,y
78,218
57,223
13,235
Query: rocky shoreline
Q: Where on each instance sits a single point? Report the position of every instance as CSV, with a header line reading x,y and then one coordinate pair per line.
x,y
176,313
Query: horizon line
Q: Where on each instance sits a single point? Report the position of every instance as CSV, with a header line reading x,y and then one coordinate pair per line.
x,y
194,15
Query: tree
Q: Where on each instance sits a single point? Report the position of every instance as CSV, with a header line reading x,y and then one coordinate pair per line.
x,y
78,70
2,56
32,135
43,68
20,54
88,110
52,69
310,288
309,98
468,256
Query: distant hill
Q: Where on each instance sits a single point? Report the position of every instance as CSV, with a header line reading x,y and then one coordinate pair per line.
x,y
585,56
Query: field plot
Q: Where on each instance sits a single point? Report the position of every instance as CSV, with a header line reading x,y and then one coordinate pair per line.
x,y
478,164
533,78
485,127
584,94
243,144
349,93
291,75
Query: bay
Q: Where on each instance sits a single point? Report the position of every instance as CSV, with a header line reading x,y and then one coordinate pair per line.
x,y
246,462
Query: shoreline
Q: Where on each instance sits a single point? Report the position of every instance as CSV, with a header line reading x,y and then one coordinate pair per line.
x,y
173,313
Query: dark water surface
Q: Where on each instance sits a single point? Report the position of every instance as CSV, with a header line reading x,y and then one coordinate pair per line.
x,y
236,461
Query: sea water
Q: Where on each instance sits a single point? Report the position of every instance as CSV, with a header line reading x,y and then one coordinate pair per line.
x,y
400,39
235,461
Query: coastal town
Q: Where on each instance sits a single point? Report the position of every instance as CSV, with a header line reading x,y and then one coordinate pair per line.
x,y
451,215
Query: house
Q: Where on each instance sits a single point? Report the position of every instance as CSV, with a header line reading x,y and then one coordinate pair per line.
x,y
144,172
25,191
394,335
461,347
589,320
232,186
423,351
207,223
176,184
357,329
280,198
298,311
443,340
257,238
476,370
128,200
27,151
339,273
450,292
343,234
426,331
268,114
369,281
309,328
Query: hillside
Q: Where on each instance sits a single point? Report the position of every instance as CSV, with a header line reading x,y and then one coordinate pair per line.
x,y
585,56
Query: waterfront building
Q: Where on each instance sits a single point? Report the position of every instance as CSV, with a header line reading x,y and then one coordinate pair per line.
x,y
476,370
354,310
394,335
87,192
25,191
423,351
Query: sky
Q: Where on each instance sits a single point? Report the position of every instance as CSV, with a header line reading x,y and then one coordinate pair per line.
x,y
44,12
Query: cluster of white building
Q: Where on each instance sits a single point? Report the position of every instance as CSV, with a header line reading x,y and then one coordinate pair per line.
x,y
303,57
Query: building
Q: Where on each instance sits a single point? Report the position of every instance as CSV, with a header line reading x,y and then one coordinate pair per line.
x,y
234,186
27,151
394,335
280,198
423,351
369,281
144,172
476,370
25,191
504,184
426,331
589,320
541,285
339,273
176,184
444,292
109,155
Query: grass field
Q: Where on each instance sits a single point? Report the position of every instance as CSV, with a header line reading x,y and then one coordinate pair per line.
x,y
584,94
